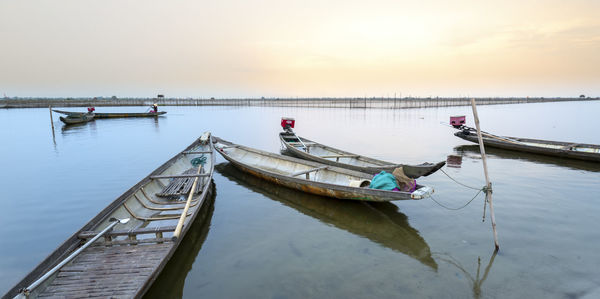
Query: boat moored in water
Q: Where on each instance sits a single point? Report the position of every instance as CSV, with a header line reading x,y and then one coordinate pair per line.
x,y
314,151
571,150
310,176
77,119
149,220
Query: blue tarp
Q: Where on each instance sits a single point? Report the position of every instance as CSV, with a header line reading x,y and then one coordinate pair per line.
x,y
384,181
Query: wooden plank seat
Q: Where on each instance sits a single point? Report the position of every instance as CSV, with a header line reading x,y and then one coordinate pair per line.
x,y
180,184
197,152
308,171
293,143
340,156
131,234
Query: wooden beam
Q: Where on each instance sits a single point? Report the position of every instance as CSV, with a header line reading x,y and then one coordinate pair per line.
x,y
179,176
127,232
198,152
340,156
308,171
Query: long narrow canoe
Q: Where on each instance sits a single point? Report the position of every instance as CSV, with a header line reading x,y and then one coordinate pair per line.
x,y
77,119
309,176
314,151
152,218
572,150
113,115
379,222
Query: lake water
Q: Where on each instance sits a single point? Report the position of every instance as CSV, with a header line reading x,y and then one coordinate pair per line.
x,y
262,241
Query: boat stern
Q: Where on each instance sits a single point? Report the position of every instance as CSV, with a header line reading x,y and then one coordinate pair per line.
x,y
421,193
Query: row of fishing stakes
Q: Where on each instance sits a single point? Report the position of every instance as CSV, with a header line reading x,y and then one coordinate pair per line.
x,y
488,184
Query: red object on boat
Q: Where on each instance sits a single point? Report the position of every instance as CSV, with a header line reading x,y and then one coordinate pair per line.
x,y
457,121
287,122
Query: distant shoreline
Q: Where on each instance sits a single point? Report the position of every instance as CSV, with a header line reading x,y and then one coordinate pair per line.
x,y
388,103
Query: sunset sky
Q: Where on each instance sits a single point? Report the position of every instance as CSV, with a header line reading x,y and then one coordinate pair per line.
x,y
303,48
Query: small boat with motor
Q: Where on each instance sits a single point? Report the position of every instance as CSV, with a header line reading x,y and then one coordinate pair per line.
x,y
571,150
314,151
309,176
122,250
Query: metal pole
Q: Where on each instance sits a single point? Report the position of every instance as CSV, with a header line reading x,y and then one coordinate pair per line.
x,y
36,283
488,191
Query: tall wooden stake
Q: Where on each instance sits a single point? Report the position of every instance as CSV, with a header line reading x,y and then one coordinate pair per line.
x,y
51,121
488,184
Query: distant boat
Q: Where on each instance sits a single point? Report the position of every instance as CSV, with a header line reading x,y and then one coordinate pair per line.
x,y
314,151
310,176
77,118
572,150
113,115
150,220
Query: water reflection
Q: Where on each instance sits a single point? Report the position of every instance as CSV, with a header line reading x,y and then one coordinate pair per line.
x,y
381,223
469,150
71,128
171,281
477,282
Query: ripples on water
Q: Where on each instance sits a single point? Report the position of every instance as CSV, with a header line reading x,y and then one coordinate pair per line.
x,y
265,241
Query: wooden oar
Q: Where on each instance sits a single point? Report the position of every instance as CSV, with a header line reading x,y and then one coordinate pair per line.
x,y
25,292
187,206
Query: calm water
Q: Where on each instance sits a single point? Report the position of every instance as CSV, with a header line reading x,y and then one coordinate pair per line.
x,y
262,241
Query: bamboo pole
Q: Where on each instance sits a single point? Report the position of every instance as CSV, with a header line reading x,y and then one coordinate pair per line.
x,y
488,184
187,206
51,120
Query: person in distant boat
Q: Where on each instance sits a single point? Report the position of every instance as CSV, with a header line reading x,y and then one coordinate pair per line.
x,y
154,108
91,110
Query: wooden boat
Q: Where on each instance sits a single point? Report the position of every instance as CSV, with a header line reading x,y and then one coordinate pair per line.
x,y
572,150
380,222
310,150
150,220
77,119
310,176
113,115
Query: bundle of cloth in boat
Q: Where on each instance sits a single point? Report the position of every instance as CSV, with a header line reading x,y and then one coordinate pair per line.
x,y
395,181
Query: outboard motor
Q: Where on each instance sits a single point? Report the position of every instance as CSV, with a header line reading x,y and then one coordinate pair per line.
x,y
457,121
287,123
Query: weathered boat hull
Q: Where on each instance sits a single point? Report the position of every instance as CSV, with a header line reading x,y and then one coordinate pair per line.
x,y
350,160
112,115
332,182
126,264
75,119
588,152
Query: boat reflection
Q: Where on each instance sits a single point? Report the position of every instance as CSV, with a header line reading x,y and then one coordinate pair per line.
x,y
466,150
380,222
170,282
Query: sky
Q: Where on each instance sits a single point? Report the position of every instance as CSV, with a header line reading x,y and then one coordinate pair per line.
x,y
289,48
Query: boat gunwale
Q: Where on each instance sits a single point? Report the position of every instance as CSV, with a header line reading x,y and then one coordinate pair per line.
x,y
71,243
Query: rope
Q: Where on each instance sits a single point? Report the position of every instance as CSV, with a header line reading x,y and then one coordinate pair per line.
x,y
460,182
198,161
455,209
